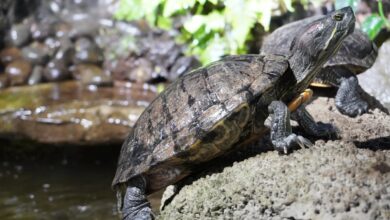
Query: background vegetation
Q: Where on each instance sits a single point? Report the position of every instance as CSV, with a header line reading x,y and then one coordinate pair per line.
x,y
212,28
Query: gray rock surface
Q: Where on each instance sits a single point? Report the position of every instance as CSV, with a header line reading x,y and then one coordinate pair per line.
x,y
376,80
347,178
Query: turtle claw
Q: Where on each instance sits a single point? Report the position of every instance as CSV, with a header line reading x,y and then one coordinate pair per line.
x,y
145,214
353,109
303,142
283,145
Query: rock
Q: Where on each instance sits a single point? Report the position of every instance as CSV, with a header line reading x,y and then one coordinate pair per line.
x,y
18,72
19,34
42,30
87,52
331,181
151,56
36,75
71,113
56,71
376,80
84,43
183,65
37,53
66,52
342,179
52,43
10,54
62,29
135,70
141,71
163,51
3,81
91,74
82,25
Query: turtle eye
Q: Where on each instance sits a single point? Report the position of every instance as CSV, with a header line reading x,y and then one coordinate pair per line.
x,y
338,17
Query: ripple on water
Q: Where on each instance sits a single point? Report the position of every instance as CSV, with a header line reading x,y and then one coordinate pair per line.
x,y
59,192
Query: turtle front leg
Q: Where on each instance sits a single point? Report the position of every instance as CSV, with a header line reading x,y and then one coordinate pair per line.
x,y
281,133
135,203
318,129
348,100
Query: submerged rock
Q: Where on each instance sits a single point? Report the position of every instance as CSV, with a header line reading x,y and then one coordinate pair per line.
x,y
36,75
19,34
342,179
56,71
3,81
37,53
18,72
71,113
86,51
91,74
10,54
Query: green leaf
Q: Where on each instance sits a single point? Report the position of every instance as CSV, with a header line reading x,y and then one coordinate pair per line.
x,y
164,22
150,10
213,21
194,23
238,23
173,6
129,10
216,47
344,3
372,25
288,4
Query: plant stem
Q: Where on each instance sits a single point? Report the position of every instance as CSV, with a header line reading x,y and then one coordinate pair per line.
x,y
380,9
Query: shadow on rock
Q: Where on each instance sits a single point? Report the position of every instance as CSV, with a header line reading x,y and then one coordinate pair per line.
x,y
381,143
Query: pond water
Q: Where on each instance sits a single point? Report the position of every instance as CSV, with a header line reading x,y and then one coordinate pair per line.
x,y
71,184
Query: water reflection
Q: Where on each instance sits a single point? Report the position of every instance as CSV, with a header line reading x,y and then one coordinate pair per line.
x,y
52,182
71,187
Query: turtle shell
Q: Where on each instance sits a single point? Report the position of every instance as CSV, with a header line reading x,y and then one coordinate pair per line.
x,y
197,118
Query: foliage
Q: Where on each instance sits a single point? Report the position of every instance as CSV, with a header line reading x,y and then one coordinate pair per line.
x,y
373,23
211,28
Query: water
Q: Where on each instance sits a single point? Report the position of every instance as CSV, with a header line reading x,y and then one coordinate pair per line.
x,y
64,184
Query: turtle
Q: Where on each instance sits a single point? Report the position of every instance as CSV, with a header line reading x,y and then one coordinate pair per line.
x,y
356,54
216,109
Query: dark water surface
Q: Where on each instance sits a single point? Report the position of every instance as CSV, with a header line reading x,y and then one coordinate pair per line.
x,y
65,183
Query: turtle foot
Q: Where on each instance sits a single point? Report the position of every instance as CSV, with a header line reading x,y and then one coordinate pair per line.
x,y
284,144
135,204
311,127
352,108
348,100
144,214
326,130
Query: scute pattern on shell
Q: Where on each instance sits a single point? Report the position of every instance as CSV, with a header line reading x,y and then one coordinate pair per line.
x,y
197,118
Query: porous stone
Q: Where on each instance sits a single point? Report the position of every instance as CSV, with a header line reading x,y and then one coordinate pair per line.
x,y
347,178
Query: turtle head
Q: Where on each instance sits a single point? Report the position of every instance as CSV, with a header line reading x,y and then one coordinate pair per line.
x,y
318,41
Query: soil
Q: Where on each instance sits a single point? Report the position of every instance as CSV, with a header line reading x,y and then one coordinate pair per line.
x,y
344,178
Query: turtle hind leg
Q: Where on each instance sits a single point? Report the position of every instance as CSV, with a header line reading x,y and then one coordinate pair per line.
x,y
281,133
135,203
348,100
317,129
